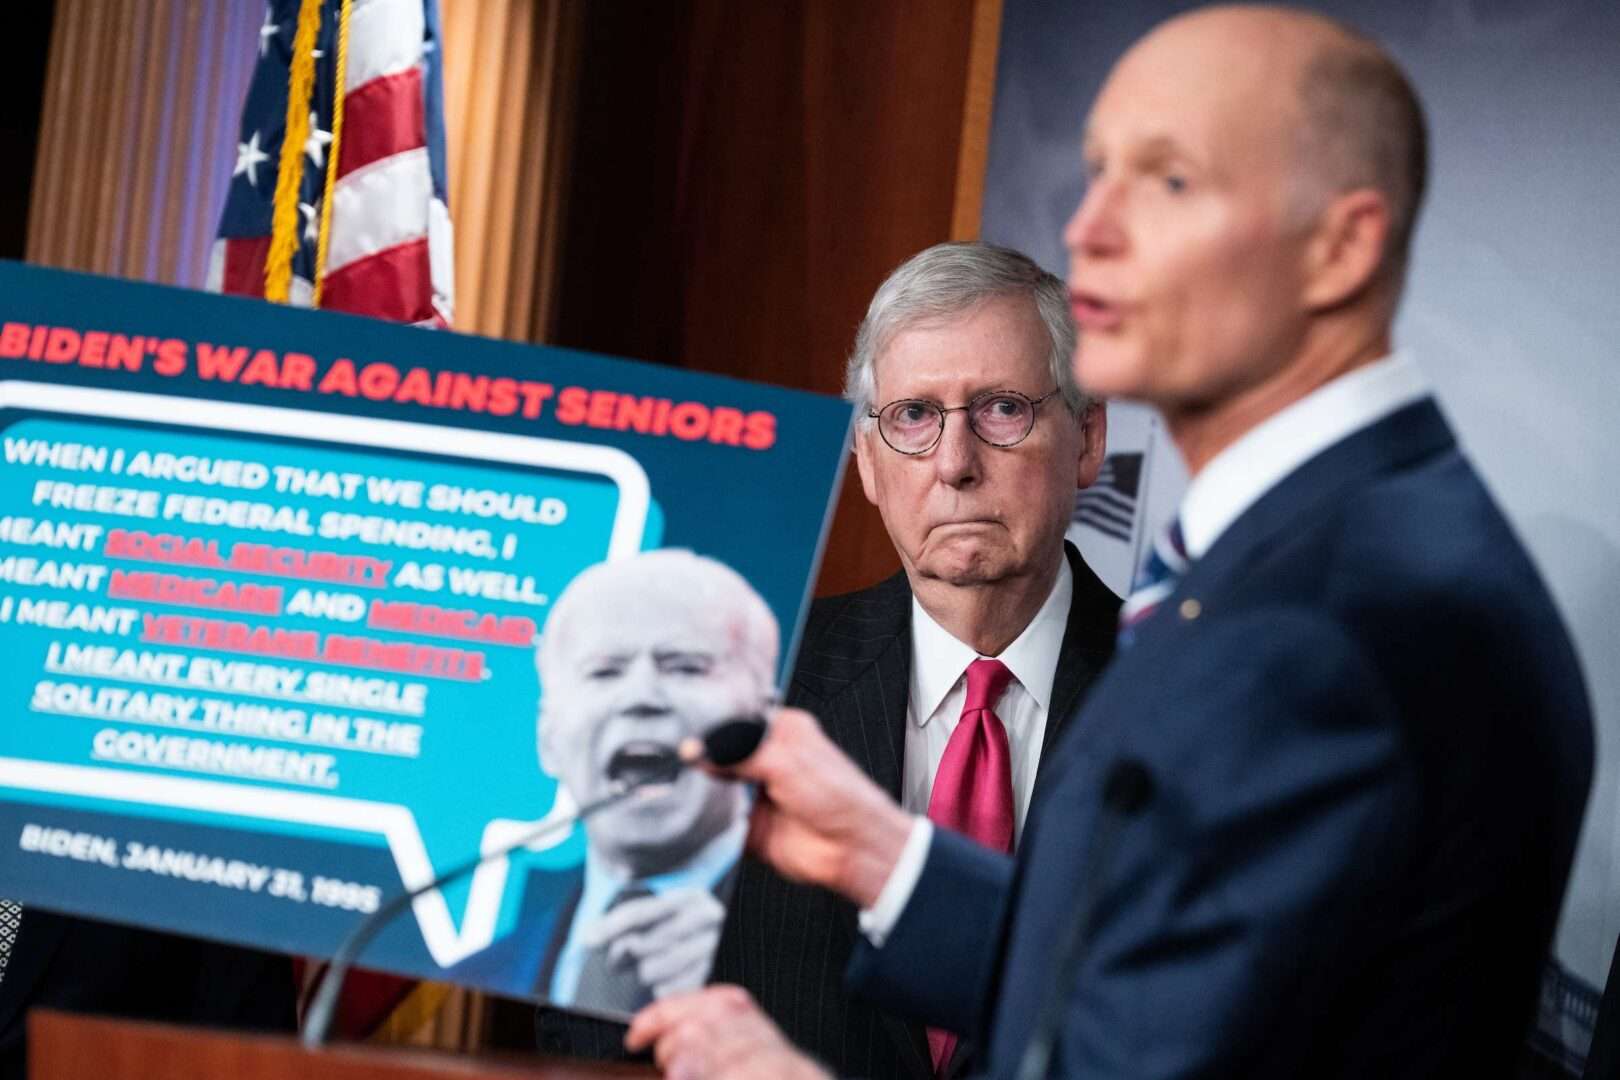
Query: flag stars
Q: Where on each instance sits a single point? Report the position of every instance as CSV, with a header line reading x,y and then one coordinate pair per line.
x,y
312,220
267,31
248,159
315,146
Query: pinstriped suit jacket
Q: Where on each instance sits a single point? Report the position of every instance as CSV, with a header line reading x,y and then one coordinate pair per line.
x,y
787,944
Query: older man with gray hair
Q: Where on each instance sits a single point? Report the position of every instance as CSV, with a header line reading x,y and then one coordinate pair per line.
x,y
637,655
947,681
1317,818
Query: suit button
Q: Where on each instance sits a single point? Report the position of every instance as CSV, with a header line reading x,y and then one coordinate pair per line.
x,y
1191,609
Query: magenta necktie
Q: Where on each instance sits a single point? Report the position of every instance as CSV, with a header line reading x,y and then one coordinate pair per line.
x,y
973,788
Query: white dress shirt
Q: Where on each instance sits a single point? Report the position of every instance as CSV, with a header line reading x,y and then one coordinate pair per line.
x,y
1229,484
1259,459
602,884
939,666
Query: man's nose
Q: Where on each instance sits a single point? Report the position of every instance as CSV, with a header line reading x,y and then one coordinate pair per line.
x,y
1097,226
958,457
641,690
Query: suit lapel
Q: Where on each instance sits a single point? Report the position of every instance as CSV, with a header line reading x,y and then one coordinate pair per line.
x,y
1088,644
1411,434
857,674
559,938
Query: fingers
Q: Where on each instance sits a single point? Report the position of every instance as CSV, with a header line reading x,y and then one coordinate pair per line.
x,y
652,922
716,1034
697,913
787,735
670,938
631,915
663,1017
682,966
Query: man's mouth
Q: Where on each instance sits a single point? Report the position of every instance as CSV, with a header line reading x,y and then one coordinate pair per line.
x,y
643,761
1094,312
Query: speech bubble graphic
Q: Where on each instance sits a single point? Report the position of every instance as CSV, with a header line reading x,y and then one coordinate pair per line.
x,y
217,609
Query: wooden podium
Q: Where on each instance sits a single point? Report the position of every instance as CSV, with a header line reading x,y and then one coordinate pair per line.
x,y
62,1046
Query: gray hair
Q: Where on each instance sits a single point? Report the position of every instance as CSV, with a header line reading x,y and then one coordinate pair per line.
x,y
704,583
951,279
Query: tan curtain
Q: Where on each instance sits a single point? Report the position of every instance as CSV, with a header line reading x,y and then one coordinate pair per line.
x,y
138,139
143,100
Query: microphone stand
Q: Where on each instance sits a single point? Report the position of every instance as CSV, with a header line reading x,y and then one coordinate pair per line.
x,y
725,744
324,1004
1127,789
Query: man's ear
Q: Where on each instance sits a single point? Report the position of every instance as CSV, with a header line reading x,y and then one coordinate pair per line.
x,y
864,434
544,738
1094,429
1347,249
545,733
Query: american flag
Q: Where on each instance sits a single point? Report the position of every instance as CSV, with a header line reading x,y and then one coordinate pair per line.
x,y
1109,505
341,201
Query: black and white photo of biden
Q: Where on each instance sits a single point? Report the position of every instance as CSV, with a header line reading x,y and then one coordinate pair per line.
x,y
636,655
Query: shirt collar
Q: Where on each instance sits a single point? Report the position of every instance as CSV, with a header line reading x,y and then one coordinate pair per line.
x,y
938,659
1239,475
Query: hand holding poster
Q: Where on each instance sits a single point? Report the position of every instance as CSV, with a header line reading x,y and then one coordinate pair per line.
x,y
270,587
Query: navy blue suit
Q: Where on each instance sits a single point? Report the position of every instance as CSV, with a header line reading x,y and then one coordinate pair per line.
x,y
1371,745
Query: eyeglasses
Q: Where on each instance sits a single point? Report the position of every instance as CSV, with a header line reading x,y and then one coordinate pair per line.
x,y
1000,418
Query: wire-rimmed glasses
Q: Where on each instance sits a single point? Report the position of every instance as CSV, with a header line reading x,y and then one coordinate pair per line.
x,y
1000,418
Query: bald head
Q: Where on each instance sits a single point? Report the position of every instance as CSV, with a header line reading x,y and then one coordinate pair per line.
x,y
1254,173
1362,127
1353,120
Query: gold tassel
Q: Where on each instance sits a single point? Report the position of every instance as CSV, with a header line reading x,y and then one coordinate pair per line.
x,y
338,94
290,175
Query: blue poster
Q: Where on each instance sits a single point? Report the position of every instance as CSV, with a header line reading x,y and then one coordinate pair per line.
x,y
275,595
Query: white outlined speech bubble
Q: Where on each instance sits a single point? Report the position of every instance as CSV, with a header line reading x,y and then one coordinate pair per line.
x,y
394,822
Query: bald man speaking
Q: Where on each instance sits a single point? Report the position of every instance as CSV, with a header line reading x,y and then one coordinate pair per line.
x,y
1317,817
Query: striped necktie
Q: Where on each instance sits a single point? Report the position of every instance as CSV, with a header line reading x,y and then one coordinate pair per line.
x,y
1154,582
611,986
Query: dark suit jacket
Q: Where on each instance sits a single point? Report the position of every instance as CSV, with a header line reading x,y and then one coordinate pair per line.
x,y
75,965
1372,747
524,961
561,927
788,944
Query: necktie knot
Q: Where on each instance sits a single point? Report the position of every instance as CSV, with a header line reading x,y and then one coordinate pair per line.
x,y
635,890
608,983
1166,563
987,680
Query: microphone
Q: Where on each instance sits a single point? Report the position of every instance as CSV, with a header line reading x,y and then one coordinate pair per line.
x,y
1126,791
727,743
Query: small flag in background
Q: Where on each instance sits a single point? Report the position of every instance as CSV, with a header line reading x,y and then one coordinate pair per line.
x,y
340,199
1109,505
1134,497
